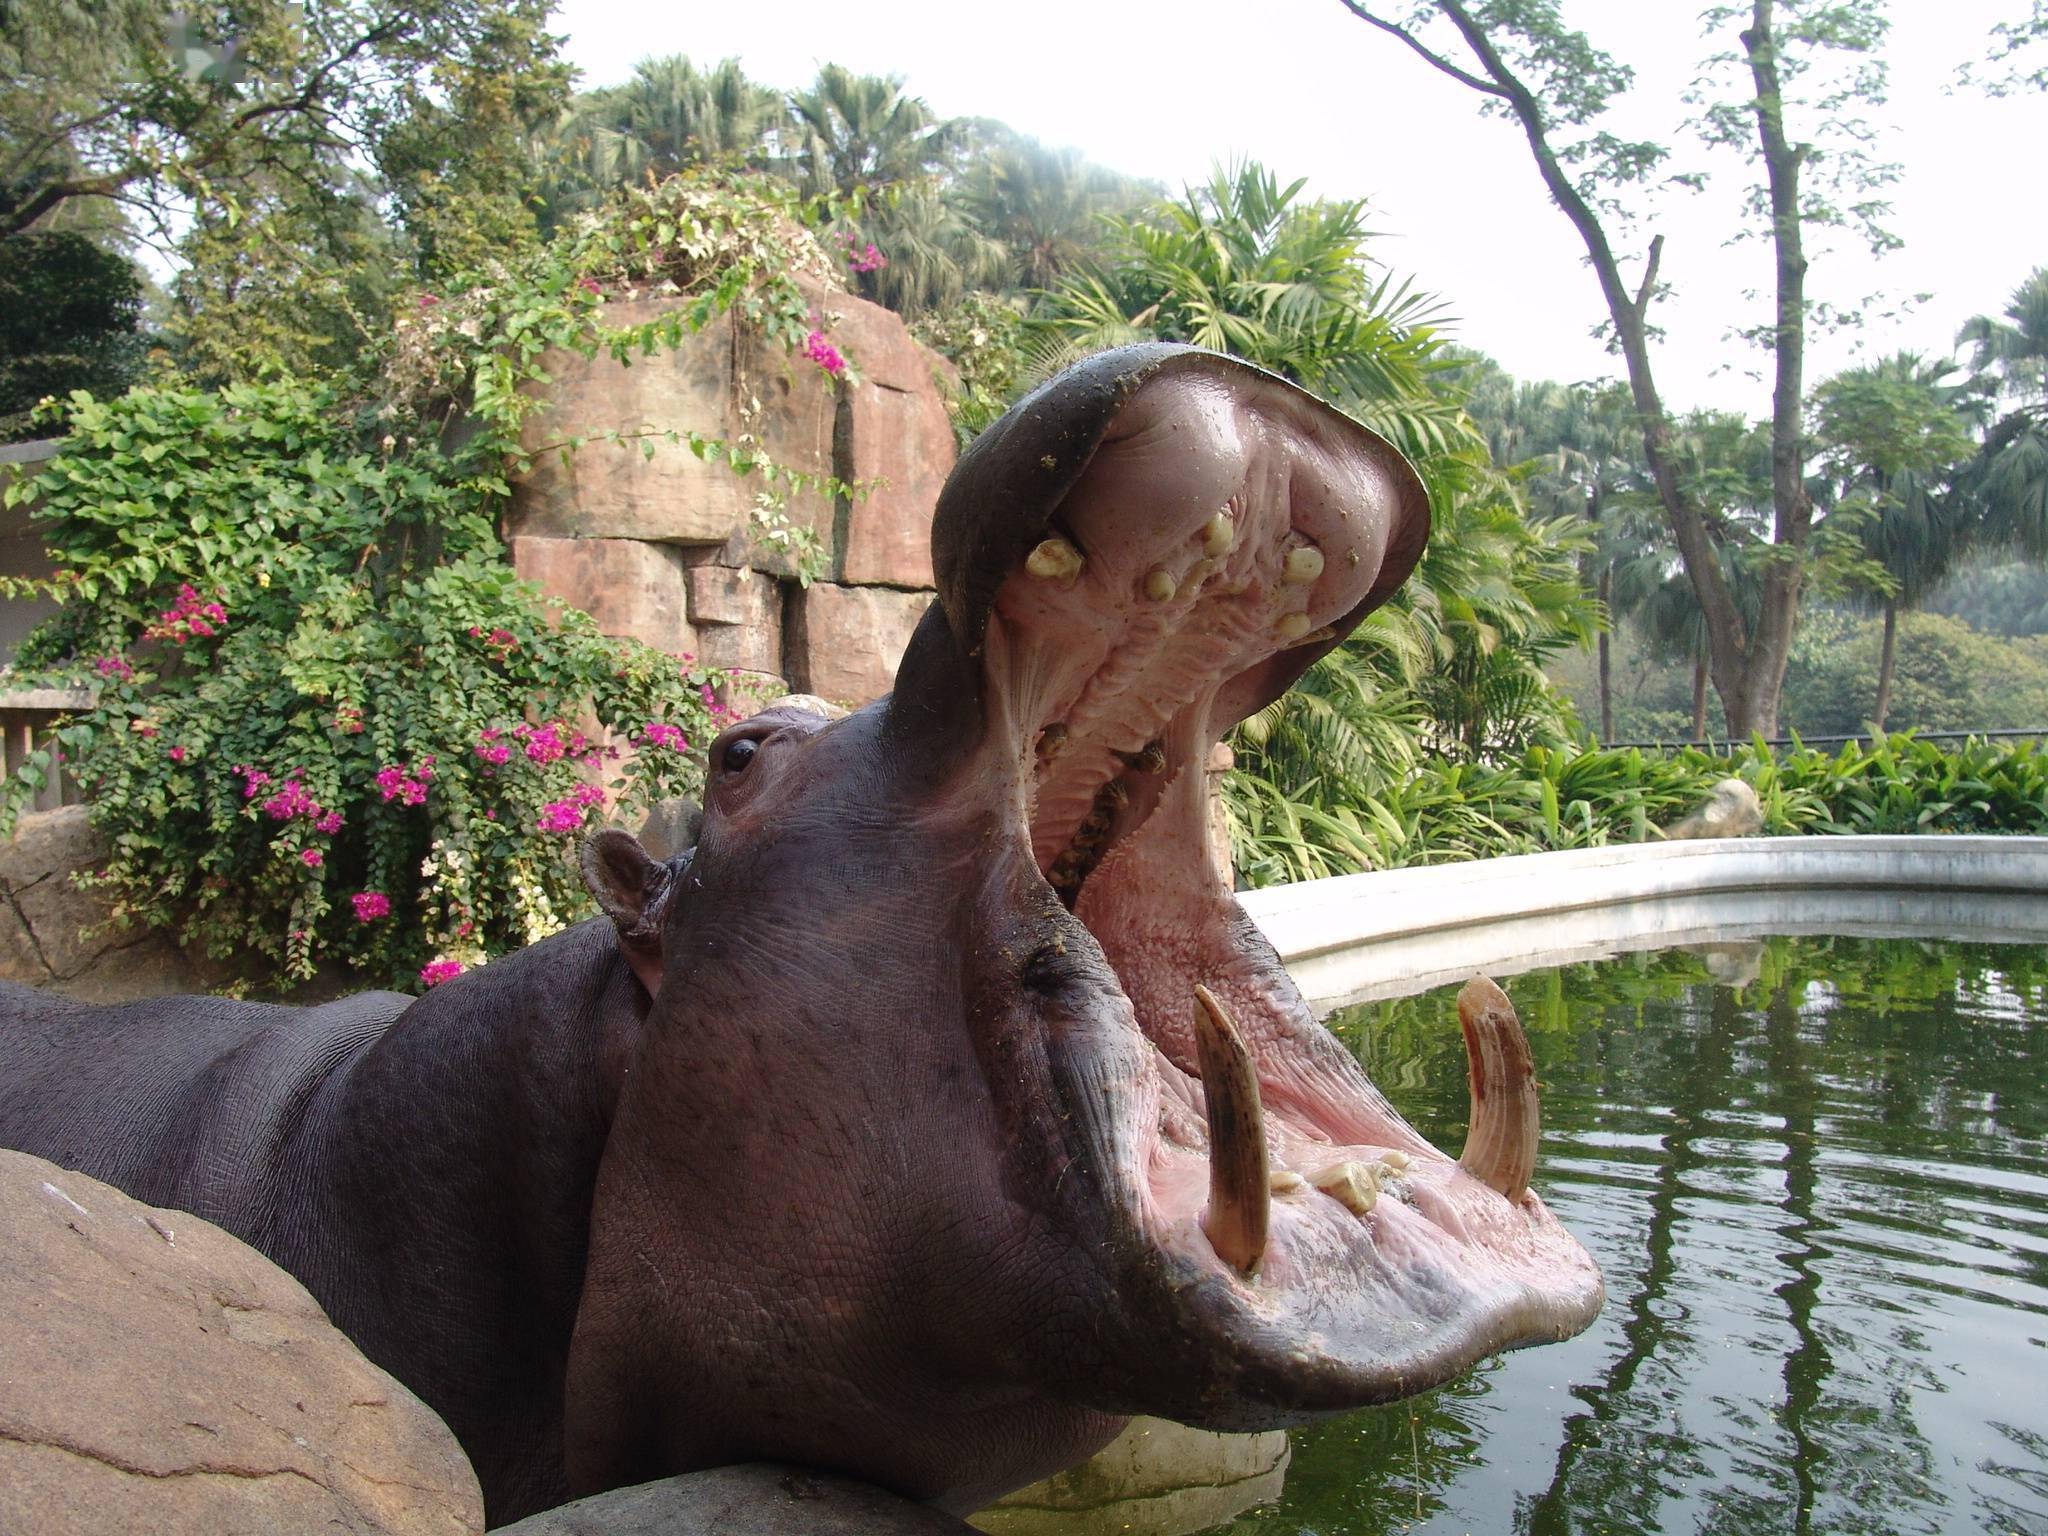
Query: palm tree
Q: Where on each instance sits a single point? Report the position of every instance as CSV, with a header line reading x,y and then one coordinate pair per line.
x,y
1243,265
933,251
2010,477
1893,438
850,132
1044,205
676,115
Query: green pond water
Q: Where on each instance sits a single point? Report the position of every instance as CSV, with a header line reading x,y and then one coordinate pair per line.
x,y
1820,1199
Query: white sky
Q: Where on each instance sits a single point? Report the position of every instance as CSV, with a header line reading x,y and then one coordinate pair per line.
x,y
1162,91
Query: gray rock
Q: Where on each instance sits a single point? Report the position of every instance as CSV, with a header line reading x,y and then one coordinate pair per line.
x,y
161,1376
753,1499
53,933
1731,811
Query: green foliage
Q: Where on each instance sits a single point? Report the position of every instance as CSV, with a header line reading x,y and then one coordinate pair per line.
x,y
68,312
1555,797
1947,677
316,676
982,337
303,162
308,655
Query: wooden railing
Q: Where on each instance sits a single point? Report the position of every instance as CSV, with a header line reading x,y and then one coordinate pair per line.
x,y
27,718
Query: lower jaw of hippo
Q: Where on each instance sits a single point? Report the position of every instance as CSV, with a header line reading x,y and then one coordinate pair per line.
x,y
1273,1219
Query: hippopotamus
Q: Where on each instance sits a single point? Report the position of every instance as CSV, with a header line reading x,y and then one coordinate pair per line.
x,y
940,1107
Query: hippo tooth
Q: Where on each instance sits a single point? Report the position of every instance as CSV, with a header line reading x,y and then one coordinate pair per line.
x,y
1500,1149
1395,1162
1301,566
1239,1195
1285,1181
1354,1186
1055,559
1160,584
1217,534
1291,627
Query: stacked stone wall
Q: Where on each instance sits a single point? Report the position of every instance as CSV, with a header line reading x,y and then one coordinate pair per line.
x,y
667,549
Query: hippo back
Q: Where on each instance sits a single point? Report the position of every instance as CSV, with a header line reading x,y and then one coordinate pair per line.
x,y
186,1102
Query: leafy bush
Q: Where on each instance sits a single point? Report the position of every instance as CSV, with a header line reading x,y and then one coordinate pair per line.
x,y
330,721
1948,677
1554,797
68,320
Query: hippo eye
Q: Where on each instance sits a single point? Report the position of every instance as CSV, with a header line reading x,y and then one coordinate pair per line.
x,y
738,754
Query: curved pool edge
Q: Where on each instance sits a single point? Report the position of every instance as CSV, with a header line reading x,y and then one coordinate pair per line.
x,y
1356,938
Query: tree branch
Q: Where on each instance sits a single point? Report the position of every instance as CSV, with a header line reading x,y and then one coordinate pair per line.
x,y
1649,284
1436,60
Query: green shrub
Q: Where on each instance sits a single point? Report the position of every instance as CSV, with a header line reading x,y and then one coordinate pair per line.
x,y
1572,797
330,721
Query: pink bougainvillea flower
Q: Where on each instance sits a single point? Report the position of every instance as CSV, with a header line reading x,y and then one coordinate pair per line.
x,y
406,785
115,667
437,971
370,905
824,354
312,858
561,816
661,734
328,822
177,754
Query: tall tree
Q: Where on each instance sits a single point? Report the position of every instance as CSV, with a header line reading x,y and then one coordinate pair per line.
x,y
850,132
1044,205
68,320
1893,437
126,101
2010,477
1558,87
672,114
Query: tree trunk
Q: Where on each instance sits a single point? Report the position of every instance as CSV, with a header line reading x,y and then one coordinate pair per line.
x,y
1748,670
1884,665
1699,698
1606,590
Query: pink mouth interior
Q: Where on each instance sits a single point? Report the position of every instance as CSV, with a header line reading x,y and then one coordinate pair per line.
x,y
1116,678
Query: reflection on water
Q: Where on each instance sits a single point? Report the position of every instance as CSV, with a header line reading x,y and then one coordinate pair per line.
x,y
1820,1197
1815,1173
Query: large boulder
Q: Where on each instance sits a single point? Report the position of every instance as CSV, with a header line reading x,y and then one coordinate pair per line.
x,y
723,382
161,1376
752,1499
898,444
55,933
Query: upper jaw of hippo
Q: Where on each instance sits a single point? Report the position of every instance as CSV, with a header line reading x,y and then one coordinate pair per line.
x,y
1254,1209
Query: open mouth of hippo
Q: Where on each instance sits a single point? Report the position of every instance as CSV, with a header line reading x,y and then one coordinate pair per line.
x,y
1201,533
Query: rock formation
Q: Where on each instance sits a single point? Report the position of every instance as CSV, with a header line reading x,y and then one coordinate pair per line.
x,y
669,549
161,1376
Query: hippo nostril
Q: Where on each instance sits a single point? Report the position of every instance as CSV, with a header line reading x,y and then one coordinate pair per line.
x,y
1050,968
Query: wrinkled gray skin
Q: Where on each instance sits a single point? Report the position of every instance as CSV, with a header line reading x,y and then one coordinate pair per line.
x,y
850,1140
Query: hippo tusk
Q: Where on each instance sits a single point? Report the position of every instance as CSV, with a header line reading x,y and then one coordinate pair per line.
x,y
1239,1198
1500,1148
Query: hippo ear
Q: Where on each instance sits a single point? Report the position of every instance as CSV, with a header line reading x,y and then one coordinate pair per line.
x,y
634,892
